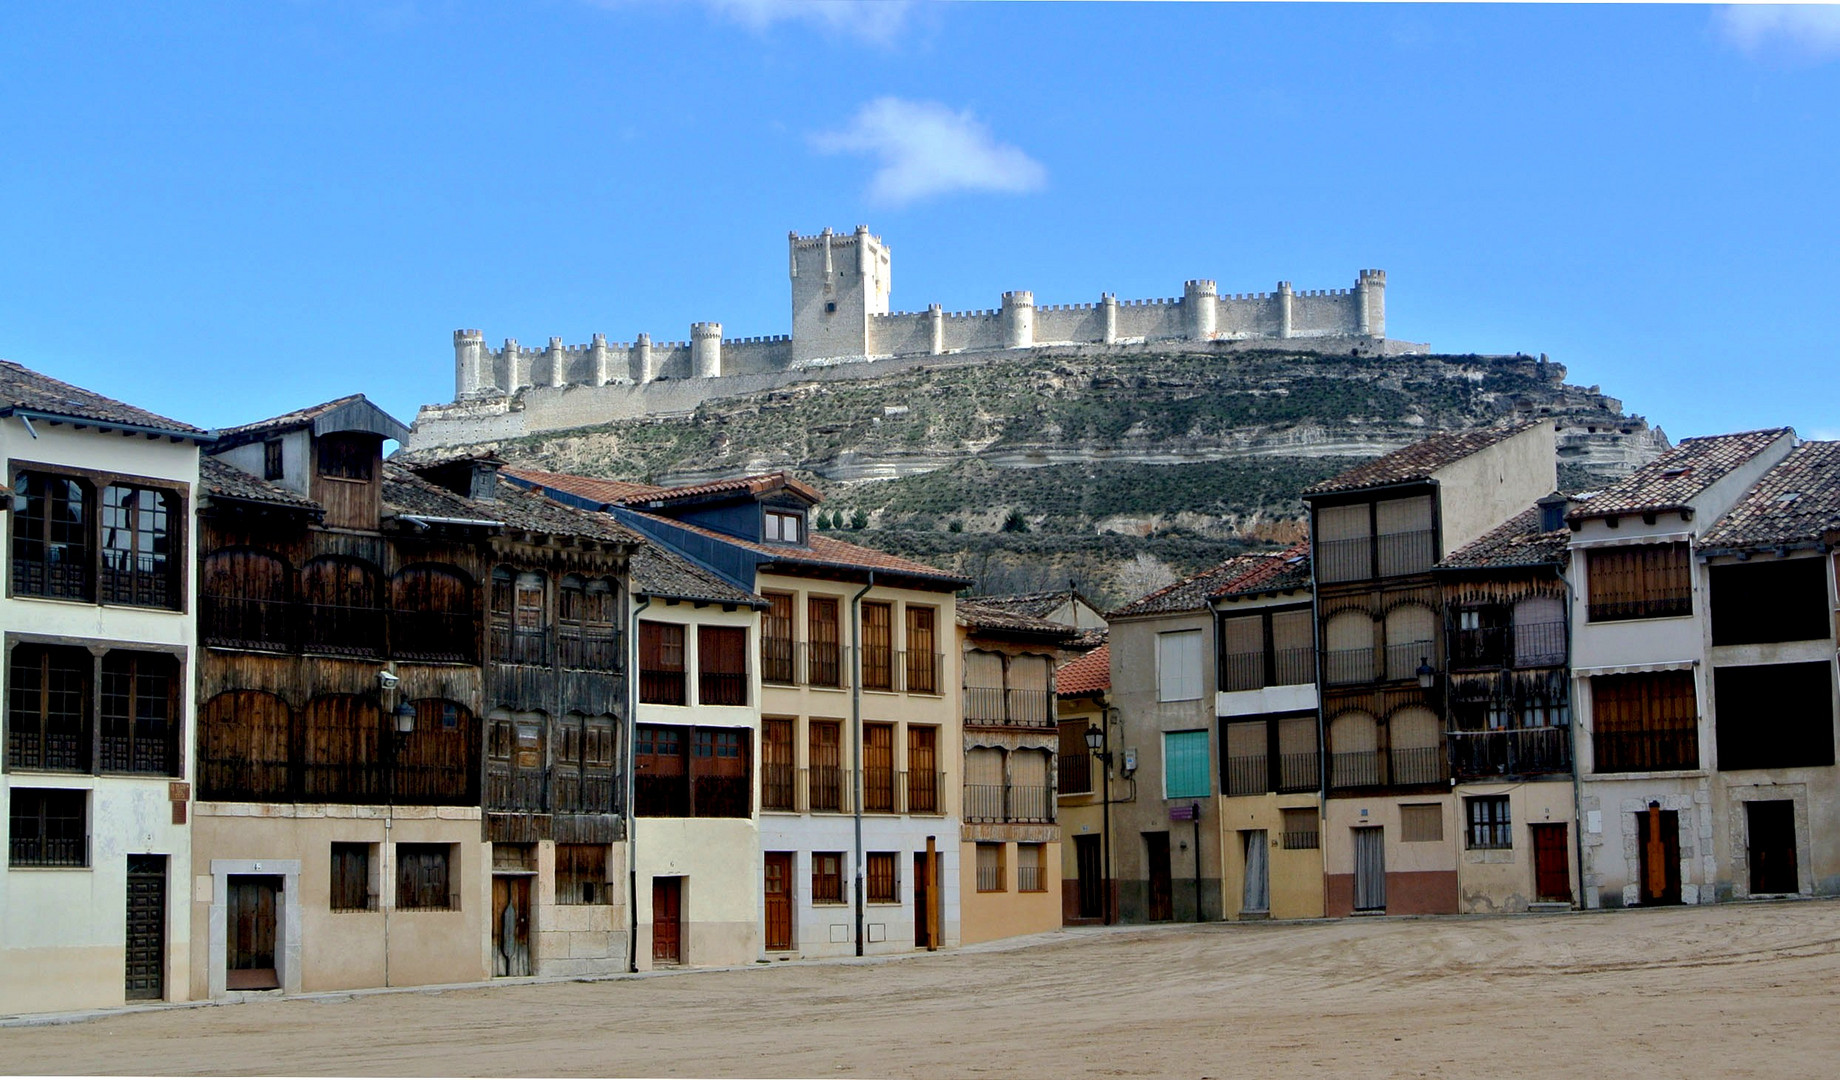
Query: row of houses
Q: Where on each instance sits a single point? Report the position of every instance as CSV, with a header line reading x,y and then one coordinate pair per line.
x,y
1468,692
284,715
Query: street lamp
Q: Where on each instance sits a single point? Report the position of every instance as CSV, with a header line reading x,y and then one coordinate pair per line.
x,y
1096,745
1427,675
405,718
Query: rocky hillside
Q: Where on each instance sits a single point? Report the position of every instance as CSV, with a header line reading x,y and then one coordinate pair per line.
x,y
1110,469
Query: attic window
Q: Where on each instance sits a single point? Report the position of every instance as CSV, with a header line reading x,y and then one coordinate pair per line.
x,y
1787,497
272,461
1675,474
785,527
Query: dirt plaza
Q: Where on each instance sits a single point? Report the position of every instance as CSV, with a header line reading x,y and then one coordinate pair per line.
x,y
1733,990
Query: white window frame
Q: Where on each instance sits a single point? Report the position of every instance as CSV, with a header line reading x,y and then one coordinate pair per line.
x,y
1178,665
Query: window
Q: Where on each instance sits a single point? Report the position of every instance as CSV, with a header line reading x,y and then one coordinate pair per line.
x,y
824,791
922,656
244,600
776,765
1774,715
1643,722
721,660
661,771
1344,542
519,630
776,648
342,616
1421,823
661,663
351,877
1029,871
139,706
347,457
877,645
581,874
1178,665
692,771
431,615
721,775
1651,581
1390,538
1403,536
824,661
922,769
273,464
883,885
1075,761
990,868
48,828
1769,600
137,547
423,878
1248,765
48,708
827,877
1301,830
878,768
587,625
785,526
985,702
1185,765
51,544
1488,822
1268,649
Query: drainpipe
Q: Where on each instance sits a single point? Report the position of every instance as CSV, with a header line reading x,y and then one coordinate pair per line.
x,y
856,773
1107,714
1571,734
632,727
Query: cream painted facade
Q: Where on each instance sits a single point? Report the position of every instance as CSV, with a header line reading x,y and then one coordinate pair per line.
x,y
828,928
1421,872
1501,880
64,941
1082,814
716,859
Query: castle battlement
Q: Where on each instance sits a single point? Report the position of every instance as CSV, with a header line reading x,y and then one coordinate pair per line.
x,y
840,286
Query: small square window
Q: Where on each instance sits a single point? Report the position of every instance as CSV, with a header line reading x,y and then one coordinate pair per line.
x,y
784,527
353,888
884,885
830,307
1489,826
990,868
1421,823
827,877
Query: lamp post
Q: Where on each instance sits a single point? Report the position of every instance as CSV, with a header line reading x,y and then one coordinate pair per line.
x,y
1097,744
1427,675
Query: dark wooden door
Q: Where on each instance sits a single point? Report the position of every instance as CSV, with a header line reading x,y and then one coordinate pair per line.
x,y
511,924
146,960
667,911
1772,846
779,900
1552,864
1162,902
250,933
1658,839
1370,869
1090,871
923,899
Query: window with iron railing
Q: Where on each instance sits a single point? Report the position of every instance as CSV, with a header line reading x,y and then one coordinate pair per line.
x,y
351,877
878,768
1031,873
824,654
1075,761
661,663
776,642
139,713
340,614
776,763
137,546
52,552
48,827
922,770
1301,829
824,782
1648,721
1348,667
990,875
1648,581
48,709
919,662
877,647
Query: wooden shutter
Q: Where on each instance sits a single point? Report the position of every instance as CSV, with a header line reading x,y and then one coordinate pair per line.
x,y
877,645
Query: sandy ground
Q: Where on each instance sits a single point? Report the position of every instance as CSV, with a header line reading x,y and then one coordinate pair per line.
x,y
1737,990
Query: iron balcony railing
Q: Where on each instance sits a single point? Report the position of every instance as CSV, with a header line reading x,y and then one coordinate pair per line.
x,y
721,688
1522,645
1405,553
1251,774
661,687
1009,803
140,580
1515,752
1302,840
434,636
1655,607
46,851
1248,670
1405,767
236,622
1417,765
1344,560
154,756
338,630
994,706
824,790
1660,750
1029,879
1354,768
777,783
1348,667
1403,659
923,792
1076,773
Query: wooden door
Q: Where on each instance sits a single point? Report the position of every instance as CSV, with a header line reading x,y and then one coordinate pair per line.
x,y
511,924
1370,869
146,959
1162,901
1772,846
923,898
1552,864
779,900
1658,840
1090,871
250,933
667,911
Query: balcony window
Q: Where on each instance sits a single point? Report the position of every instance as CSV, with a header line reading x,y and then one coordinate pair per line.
x,y
48,827
1076,771
922,660
431,615
1354,745
824,785
661,663
824,661
137,547
139,713
721,659
882,884
878,768
587,625
340,612
1770,600
776,763
244,600
776,642
1644,722
661,771
48,710
877,645
1416,756
51,537
1650,581
1389,538
721,774
922,769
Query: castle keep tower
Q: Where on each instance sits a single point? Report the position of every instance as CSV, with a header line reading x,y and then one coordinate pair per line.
x,y
838,283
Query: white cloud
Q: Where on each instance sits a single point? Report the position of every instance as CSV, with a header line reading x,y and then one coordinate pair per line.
x,y
927,149
1812,30
879,21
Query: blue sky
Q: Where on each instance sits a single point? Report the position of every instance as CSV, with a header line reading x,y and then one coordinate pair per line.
x,y
222,211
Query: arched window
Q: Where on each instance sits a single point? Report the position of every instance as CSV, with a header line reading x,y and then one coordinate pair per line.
x,y
51,538
1415,757
244,600
339,607
435,764
342,750
243,748
1348,648
1354,751
431,615
137,547
1411,640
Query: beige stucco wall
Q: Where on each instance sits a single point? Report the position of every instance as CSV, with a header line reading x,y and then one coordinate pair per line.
x,y
719,860
1479,492
988,916
1502,880
63,933
1295,877
578,939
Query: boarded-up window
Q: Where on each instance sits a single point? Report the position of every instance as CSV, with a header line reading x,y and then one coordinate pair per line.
x,y
882,885
877,645
1421,823
827,877
1185,765
1178,665
581,874
922,668
1644,721
424,879
661,663
1646,582
587,624
824,660
1775,716
721,660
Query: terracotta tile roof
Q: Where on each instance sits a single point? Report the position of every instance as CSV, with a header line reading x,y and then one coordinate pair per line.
x,y
1087,675
826,553
1288,569
408,493
1420,460
974,612
758,484
1671,481
1796,502
1515,542
1191,593
224,481
658,571
289,420
588,487
27,391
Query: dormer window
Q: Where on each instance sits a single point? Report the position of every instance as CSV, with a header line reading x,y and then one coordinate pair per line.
x,y
785,527
273,464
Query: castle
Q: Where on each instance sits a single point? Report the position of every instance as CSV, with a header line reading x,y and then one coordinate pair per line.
x,y
840,286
